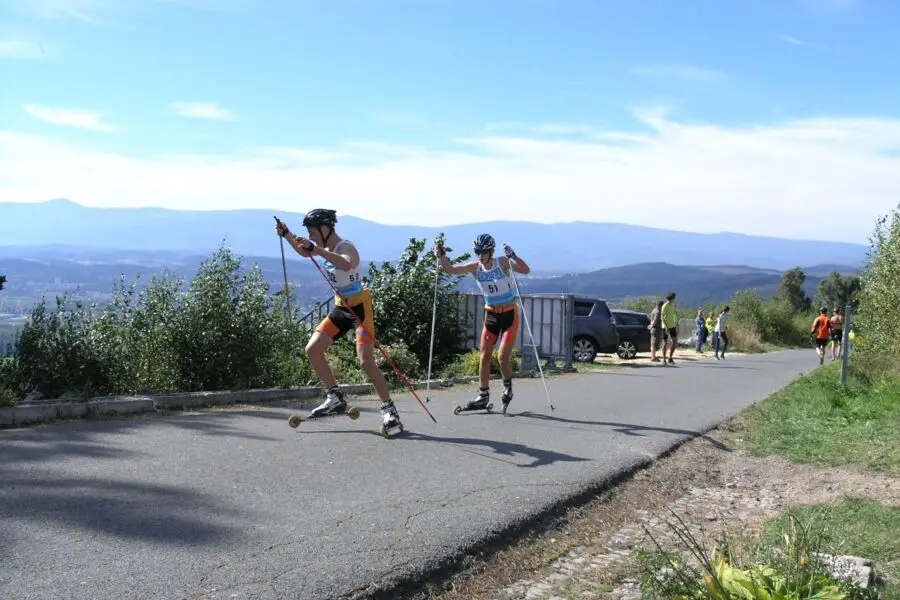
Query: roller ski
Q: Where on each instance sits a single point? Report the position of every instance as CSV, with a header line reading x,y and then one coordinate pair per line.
x,y
507,396
334,406
390,419
480,403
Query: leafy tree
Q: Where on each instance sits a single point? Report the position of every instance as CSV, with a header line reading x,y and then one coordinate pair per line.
x,y
403,296
790,290
2,281
879,296
644,304
836,290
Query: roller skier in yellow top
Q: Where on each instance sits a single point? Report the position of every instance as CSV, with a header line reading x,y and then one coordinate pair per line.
x,y
342,262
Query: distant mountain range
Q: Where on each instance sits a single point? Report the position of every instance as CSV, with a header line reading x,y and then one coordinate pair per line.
x,y
560,248
34,272
695,286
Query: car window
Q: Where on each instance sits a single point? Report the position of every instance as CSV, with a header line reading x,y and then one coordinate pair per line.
x,y
602,310
625,319
583,309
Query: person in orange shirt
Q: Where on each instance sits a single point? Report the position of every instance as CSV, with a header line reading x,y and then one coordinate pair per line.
x,y
821,329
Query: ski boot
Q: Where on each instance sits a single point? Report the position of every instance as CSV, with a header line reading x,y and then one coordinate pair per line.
x,y
507,394
479,403
334,404
390,418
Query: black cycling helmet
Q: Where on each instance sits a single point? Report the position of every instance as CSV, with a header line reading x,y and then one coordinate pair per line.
x,y
321,217
483,244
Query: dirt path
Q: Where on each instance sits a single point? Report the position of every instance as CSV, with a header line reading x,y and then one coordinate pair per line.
x,y
589,554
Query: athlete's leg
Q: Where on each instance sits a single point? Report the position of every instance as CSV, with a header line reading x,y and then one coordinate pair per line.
x,y
365,352
331,328
315,350
366,355
508,342
488,341
489,335
507,345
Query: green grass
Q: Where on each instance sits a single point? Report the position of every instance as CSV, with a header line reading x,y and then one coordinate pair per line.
x,y
815,420
854,526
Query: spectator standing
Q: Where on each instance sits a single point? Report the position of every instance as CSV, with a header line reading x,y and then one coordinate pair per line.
x,y
721,333
702,332
670,328
655,331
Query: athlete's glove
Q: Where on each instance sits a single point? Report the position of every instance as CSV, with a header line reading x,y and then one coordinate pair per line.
x,y
510,253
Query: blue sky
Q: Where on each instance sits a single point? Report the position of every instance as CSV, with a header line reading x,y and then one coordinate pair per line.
x,y
697,115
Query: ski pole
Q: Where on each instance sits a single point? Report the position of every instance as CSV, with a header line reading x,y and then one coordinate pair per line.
x,y
287,292
437,278
531,335
377,345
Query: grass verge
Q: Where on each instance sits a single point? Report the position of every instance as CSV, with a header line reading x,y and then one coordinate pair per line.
x,y
855,526
815,420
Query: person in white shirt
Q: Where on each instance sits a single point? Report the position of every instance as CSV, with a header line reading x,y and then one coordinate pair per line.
x,y
721,333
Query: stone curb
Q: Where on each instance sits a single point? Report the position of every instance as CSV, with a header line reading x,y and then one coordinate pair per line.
x,y
45,411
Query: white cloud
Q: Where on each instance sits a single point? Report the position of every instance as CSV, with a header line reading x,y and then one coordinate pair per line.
x,y
70,117
202,110
826,178
681,71
22,49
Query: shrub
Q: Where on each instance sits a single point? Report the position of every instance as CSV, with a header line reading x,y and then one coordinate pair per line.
x,y
879,302
403,299
62,351
469,364
344,363
8,394
775,322
744,339
403,358
224,332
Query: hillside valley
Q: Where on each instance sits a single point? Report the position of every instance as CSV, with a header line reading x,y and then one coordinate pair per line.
x,y
570,247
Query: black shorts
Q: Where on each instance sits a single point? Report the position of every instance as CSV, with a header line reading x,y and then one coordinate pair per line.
x,y
340,320
672,334
503,323
837,336
821,343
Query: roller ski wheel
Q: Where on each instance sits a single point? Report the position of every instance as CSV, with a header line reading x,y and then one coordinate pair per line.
x,y
462,409
386,431
295,420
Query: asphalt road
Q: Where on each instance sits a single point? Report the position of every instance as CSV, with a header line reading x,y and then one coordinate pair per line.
x,y
235,504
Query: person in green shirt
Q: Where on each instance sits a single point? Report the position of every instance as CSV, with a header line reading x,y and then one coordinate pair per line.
x,y
670,328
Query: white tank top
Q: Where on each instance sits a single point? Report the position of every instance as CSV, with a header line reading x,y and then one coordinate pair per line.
x,y
348,283
495,284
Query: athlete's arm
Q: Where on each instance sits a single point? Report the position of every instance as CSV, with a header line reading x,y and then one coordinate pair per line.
x,y
513,261
345,262
452,269
299,245
517,264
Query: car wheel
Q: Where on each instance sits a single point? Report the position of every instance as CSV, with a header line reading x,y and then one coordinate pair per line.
x,y
626,350
584,349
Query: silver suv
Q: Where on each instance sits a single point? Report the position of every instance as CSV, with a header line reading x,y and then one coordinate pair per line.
x,y
594,329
